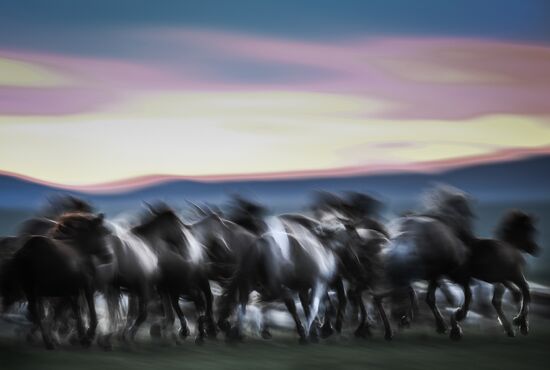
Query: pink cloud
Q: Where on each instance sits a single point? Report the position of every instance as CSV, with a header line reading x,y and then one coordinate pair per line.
x,y
184,60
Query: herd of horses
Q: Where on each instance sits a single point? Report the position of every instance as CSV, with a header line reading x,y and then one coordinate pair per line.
x,y
338,251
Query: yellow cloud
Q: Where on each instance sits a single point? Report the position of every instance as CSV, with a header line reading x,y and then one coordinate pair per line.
x,y
240,133
18,73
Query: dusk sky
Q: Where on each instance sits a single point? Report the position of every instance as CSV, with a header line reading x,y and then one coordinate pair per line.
x,y
96,92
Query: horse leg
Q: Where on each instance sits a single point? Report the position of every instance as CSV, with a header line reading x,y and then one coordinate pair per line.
x,y
319,290
521,319
184,328
36,311
130,315
342,303
111,296
414,302
79,322
291,307
498,292
354,305
199,301
516,292
236,332
363,330
265,333
430,300
326,329
141,316
90,335
388,334
227,304
209,314
460,313
167,324
304,300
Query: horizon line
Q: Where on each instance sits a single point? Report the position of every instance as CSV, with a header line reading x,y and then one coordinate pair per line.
x,y
141,182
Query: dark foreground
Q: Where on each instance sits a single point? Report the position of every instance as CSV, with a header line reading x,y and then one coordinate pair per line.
x,y
413,349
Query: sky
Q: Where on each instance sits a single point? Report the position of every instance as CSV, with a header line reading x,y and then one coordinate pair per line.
x,y
110,92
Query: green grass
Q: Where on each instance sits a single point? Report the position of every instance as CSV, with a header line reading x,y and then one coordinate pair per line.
x,y
418,349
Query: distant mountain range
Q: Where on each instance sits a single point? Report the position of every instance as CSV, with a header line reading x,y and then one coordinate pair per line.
x,y
522,180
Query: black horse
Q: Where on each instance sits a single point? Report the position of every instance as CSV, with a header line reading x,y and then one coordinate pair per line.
x,y
62,264
500,262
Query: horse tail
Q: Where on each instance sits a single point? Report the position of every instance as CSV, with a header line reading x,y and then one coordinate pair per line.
x,y
113,297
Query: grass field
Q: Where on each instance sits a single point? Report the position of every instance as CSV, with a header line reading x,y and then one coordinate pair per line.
x,y
413,349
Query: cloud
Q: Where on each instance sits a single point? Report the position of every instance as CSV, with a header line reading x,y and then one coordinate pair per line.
x,y
176,108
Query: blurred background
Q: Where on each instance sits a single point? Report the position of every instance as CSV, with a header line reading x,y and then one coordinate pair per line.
x,y
120,102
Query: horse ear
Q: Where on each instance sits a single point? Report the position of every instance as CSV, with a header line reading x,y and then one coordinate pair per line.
x,y
63,229
150,208
100,218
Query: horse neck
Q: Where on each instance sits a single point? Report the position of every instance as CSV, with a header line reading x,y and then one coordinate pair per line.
x,y
148,230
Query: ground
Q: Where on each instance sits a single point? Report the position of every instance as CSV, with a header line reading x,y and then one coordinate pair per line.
x,y
412,349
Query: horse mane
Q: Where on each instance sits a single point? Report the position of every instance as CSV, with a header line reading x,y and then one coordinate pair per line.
x,y
36,226
60,204
452,207
152,215
305,221
61,227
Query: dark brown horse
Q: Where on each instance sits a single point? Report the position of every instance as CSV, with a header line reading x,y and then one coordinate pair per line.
x,y
500,262
62,264
433,245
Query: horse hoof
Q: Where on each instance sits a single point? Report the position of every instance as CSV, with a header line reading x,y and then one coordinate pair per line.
x,y
404,322
388,336
441,329
361,333
155,331
524,328
511,333
338,327
211,331
74,340
199,341
326,331
314,335
303,341
234,335
266,334
460,314
29,338
456,333
49,346
86,342
224,326
183,332
104,342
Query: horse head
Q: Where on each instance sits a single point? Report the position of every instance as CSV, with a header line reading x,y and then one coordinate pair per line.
x,y
86,232
518,229
164,221
453,207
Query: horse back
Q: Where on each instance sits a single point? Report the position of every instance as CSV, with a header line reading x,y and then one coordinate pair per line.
x,y
49,266
492,260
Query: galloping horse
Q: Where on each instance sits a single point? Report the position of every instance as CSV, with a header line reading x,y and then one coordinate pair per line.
x,y
288,258
432,245
358,240
500,262
62,264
